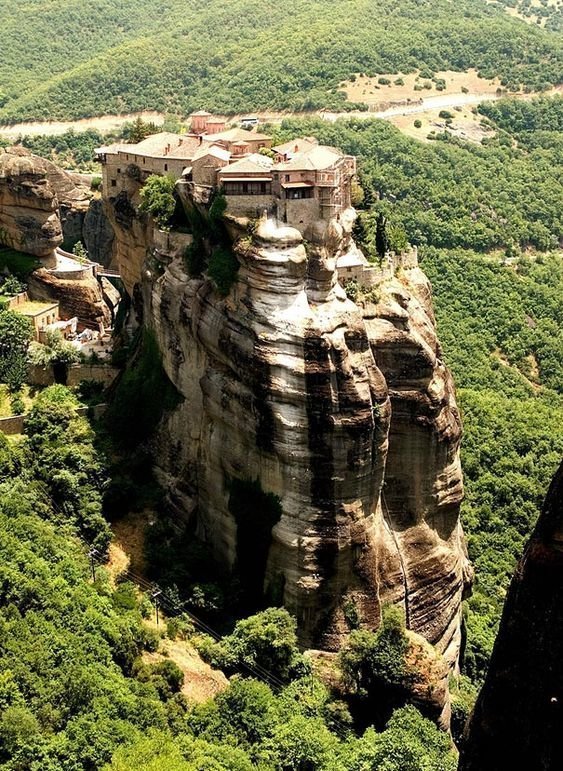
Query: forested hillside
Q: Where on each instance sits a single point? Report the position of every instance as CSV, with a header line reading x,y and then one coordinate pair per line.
x,y
71,59
79,690
501,327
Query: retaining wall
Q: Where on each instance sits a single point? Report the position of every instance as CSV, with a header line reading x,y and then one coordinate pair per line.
x,y
14,424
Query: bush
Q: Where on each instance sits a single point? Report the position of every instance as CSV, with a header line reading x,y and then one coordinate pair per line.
x,y
418,123
171,673
158,199
374,666
223,269
17,403
195,258
267,639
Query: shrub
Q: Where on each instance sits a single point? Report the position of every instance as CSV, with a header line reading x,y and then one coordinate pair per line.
x,y
374,665
17,403
195,258
267,639
223,269
418,123
171,673
157,199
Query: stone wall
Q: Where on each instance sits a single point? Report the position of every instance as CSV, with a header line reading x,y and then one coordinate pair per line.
x,y
14,424
372,275
38,375
249,205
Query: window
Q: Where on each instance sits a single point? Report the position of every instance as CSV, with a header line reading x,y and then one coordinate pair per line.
x,y
119,171
287,177
247,188
165,167
113,182
299,193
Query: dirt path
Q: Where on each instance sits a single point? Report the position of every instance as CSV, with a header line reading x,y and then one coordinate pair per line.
x,y
112,123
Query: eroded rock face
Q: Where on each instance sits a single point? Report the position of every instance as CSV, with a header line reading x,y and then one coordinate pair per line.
x,y
77,297
421,545
346,414
98,234
517,719
132,233
29,208
40,204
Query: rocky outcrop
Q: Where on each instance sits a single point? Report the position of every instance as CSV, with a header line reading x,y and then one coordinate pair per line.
x,y
516,722
132,231
345,413
421,545
77,297
29,209
37,201
426,686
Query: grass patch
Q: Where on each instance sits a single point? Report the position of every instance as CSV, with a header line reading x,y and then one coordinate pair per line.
x,y
28,394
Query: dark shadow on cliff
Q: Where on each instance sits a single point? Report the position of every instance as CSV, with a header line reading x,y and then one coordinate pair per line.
x,y
518,719
255,512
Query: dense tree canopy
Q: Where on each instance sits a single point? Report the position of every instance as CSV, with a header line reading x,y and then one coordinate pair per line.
x,y
15,336
182,55
501,329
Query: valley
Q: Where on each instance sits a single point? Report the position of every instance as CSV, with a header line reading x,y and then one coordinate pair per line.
x,y
281,385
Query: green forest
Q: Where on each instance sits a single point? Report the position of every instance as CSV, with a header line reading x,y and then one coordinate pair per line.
x,y
72,59
77,691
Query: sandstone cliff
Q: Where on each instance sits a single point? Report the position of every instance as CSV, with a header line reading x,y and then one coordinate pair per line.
x,y
518,716
29,208
132,233
42,206
83,297
347,414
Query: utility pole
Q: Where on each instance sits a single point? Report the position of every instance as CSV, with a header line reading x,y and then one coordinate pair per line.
x,y
155,594
93,553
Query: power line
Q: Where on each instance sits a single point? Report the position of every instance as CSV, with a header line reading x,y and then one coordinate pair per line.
x,y
173,607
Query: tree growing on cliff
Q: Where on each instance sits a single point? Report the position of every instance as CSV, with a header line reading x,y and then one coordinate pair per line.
x,y
15,336
374,666
157,199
